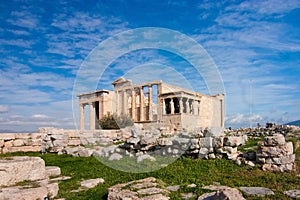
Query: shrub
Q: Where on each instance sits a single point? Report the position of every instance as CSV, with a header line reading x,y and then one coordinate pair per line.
x,y
115,121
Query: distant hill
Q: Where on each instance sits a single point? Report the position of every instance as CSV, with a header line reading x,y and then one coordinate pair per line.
x,y
295,123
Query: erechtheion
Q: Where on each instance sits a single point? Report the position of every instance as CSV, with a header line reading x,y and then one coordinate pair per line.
x,y
154,103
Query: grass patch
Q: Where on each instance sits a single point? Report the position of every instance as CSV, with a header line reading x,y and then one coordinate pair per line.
x,y
251,145
183,171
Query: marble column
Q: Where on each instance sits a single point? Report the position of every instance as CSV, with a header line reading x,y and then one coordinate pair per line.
x,y
150,103
118,103
192,107
160,109
195,107
92,116
100,113
133,105
180,105
187,104
142,102
81,106
125,103
172,106
222,112
163,107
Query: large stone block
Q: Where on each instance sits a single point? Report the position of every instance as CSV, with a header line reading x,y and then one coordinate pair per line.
x,y
148,140
207,142
275,140
235,141
228,194
7,136
18,142
86,152
35,135
276,151
71,133
33,142
22,135
60,143
21,168
91,183
53,171
106,133
55,131
86,133
282,159
8,143
74,142
1,143
49,190
21,149
59,137
165,141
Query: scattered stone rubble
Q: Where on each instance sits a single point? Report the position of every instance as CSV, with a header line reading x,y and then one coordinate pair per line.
x,y
144,144
27,178
292,193
152,189
91,183
258,191
275,154
263,132
144,189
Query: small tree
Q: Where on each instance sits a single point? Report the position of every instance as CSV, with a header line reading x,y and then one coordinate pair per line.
x,y
115,121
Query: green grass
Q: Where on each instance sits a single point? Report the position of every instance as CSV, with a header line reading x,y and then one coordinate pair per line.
x,y
251,145
183,171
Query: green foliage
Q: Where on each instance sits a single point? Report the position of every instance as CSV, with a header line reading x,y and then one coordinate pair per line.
x,y
114,121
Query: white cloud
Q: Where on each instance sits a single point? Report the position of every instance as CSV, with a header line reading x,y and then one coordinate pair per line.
x,y
245,42
81,33
17,42
242,120
40,116
4,109
23,19
267,7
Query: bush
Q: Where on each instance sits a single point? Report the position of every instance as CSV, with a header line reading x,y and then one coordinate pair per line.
x,y
114,121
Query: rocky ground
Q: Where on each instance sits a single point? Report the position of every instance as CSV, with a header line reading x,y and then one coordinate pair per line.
x,y
153,189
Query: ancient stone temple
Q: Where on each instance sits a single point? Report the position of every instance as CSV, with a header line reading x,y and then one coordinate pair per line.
x,y
154,103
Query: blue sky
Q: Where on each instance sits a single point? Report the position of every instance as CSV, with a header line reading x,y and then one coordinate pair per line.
x,y
44,43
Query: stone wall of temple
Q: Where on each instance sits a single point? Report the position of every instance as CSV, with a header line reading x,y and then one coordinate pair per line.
x,y
154,101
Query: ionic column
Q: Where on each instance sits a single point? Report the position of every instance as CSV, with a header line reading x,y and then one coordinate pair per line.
x,y
118,102
187,104
92,116
160,107
125,102
81,106
195,107
163,107
192,107
180,105
150,103
142,101
222,113
100,110
172,106
133,106
198,105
